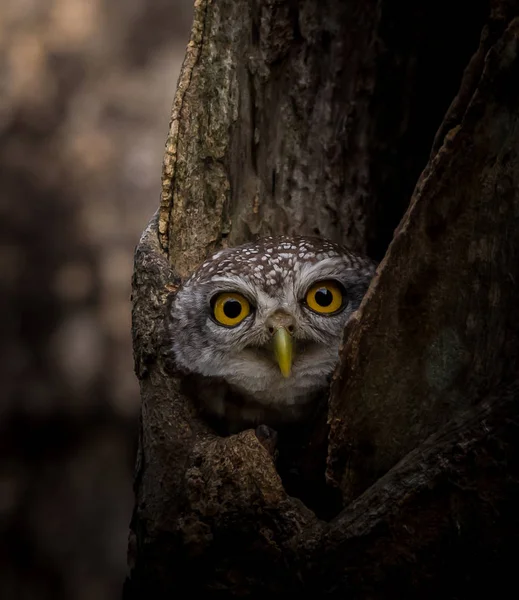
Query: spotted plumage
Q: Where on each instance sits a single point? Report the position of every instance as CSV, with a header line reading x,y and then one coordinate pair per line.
x,y
259,326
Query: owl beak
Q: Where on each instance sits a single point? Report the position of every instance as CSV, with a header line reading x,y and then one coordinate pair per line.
x,y
283,349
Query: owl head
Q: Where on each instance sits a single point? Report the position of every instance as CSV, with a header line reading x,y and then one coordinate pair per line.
x,y
267,317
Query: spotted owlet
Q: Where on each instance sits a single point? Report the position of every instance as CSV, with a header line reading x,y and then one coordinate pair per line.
x,y
258,326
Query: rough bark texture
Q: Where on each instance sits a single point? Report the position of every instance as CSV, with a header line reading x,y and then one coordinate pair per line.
x,y
439,323
309,117
286,120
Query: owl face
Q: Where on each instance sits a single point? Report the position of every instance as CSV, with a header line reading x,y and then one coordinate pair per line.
x,y
267,317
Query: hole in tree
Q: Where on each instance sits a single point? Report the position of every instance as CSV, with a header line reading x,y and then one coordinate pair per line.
x,y
301,464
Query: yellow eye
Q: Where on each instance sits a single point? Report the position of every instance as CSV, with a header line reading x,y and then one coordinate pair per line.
x,y
324,297
230,309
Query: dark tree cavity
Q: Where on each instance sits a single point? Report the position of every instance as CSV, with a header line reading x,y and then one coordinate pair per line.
x,y
323,117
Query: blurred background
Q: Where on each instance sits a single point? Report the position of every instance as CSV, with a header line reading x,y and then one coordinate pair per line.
x,y
85,93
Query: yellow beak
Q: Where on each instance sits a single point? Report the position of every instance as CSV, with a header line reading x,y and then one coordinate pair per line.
x,y
283,348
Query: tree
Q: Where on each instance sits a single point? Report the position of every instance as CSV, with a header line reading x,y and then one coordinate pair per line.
x,y
323,117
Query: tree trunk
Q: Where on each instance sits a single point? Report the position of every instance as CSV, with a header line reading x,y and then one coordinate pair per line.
x,y
318,118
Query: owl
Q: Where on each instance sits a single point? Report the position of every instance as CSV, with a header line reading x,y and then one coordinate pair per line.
x,y
257,328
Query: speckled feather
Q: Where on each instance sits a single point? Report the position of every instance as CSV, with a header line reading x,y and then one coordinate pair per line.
x,y
271,260
274,273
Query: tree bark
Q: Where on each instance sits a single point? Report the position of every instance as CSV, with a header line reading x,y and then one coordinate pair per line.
x,y
445,300
318,118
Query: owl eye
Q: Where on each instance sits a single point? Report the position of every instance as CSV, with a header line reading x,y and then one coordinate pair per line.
x,y
230,308
325,297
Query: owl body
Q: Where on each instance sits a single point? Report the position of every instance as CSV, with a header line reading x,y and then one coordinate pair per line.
x,y
260,325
